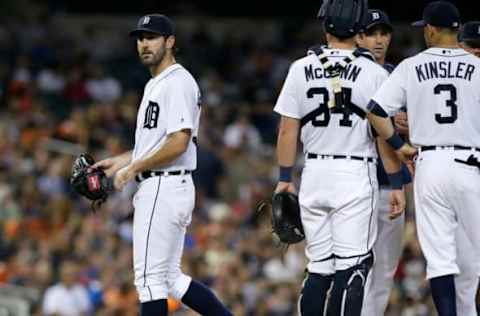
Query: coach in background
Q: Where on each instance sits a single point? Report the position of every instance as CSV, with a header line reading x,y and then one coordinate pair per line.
x,y
376,37
470,37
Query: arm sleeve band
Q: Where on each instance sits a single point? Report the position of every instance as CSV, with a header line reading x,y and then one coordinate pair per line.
x,y
376,109
396,180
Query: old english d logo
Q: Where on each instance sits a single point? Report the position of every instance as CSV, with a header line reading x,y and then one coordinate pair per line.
x,y
151,115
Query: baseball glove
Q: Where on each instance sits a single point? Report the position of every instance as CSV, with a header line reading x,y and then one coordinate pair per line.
x,y
286,222
91,183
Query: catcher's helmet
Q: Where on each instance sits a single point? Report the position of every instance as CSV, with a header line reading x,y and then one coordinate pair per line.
x,y
343,18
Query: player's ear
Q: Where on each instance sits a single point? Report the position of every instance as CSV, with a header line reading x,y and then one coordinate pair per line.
x,y
359,38
427,32
170,41
431,30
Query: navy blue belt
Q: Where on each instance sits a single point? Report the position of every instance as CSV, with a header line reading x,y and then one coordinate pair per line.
x,y
148,174
317,156
454,147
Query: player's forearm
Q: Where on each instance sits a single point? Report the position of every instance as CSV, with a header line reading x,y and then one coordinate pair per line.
x,y
287,141
382,125
124,159
390,160
175,145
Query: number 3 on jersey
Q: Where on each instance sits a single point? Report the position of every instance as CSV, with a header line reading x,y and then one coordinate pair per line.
x,y
321,115
450,88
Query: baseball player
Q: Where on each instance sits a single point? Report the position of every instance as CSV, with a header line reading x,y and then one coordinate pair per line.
x,y
466,283
470,37
439,86
376,37
323,100
162,161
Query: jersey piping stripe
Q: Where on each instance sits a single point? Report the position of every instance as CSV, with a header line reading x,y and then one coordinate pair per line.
x,y
351,257
449,56
332,256
148,236
371,205
299,302
150,292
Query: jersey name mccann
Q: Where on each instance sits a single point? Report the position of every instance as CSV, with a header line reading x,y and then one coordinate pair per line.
x,y
444,69
350,73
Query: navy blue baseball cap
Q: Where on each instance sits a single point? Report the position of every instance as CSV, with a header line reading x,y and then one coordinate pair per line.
x,y
441,14
470,31
377,17
154,23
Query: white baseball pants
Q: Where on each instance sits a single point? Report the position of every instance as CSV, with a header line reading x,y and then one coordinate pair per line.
x,y
163,210
338,200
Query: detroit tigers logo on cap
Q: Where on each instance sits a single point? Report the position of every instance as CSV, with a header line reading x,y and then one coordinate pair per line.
x,y
146,20
375,16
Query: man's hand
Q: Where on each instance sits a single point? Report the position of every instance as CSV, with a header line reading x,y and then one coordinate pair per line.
x,y
397,203
411,168
285,187
123,176
406,153
110,165
401,123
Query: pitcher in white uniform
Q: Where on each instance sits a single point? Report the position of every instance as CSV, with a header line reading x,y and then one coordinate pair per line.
x,y
161,162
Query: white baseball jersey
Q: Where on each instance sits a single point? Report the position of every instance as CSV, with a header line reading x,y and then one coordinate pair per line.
x,y
440,88
171,102
305,96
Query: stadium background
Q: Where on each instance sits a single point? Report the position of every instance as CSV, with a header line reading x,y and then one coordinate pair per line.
x,y
70,82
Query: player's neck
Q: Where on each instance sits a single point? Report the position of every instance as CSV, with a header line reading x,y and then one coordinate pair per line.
x,y
447,42
380,61
167,61
342,45
336,43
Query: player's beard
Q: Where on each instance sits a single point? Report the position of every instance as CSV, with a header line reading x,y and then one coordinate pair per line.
x,y
150,59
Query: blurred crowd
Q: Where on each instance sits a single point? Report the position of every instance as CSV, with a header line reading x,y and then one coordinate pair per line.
x,y
68,87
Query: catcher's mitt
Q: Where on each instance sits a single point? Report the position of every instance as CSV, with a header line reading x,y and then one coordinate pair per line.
x,y
91,183
286,222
